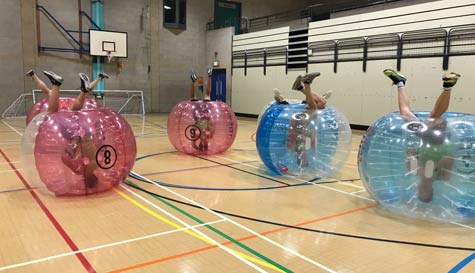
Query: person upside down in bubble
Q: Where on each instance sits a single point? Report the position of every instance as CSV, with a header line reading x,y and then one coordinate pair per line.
x,y
201,115
302,133
80,154
432,158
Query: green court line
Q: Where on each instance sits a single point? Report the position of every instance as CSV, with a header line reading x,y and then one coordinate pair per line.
x,y
222,234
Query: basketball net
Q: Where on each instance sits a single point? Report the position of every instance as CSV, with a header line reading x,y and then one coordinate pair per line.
x,y
109,56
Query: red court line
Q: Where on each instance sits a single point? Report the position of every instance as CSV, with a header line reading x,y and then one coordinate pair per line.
x,y
50,216
136,266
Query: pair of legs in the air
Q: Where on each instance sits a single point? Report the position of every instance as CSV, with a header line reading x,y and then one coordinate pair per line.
x,y
80,149
427,169
302,83
56,80
202,117
194,79
301,138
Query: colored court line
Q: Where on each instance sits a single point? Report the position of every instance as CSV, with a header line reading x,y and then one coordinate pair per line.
x,y
241,170
315,184
164,259
95,248
283,247
342,182
268,262
462,264
52,219
320,231
195,168
16,190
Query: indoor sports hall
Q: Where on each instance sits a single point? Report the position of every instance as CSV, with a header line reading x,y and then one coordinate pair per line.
x,y
216,136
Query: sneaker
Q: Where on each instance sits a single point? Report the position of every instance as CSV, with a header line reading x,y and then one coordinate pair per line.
x,y
30,73
85,86
327,94
54,78
277,96
298,84
308,78
103,76
450,79
394,76
209,70
193,76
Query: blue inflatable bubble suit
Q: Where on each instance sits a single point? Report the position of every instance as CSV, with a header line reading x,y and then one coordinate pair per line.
x,y
293,140
421,167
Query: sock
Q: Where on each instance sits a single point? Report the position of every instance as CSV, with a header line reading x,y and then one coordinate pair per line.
x,y
400,84
447,88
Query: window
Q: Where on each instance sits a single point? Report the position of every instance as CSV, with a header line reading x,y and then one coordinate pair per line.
x,y
174,14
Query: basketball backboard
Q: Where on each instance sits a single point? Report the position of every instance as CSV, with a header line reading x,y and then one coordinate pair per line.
x,y
103,42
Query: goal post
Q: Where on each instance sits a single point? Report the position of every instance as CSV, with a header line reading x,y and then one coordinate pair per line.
x,y
125,102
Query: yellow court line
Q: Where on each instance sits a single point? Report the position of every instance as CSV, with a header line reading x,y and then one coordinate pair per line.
x,y
206,240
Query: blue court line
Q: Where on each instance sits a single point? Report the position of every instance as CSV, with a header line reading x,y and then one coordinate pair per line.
x,y
462,264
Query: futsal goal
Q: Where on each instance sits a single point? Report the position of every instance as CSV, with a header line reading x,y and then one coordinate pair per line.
x,y
125,102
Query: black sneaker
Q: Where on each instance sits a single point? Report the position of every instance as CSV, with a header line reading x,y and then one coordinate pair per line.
x,y
450,79
394,76
308,78
54,78
103,76
209,70
298,84
30,73
193,76
85,86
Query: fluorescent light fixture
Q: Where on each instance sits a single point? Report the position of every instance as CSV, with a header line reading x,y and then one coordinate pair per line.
x,y
167,7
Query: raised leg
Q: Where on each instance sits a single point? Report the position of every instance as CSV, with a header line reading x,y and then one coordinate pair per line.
x,y
443,101
194,78
402,98
39,83
53,96
85,88
209,71
93,84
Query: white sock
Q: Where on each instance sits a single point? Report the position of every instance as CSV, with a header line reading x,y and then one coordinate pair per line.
x,y
400,84
447,88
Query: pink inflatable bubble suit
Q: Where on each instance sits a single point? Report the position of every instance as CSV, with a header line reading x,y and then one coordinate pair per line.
x,y
64,104
202,127
81,152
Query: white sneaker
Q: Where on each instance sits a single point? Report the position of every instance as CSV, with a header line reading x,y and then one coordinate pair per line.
x,y
327,94
277,95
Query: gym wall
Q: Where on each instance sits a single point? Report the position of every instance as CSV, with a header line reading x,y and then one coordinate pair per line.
x,y
365,96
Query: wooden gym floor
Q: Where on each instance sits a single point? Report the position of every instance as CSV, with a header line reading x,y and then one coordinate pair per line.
x,y
222,213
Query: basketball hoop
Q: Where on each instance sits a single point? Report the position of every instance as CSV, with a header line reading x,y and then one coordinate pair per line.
x,y
109,56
